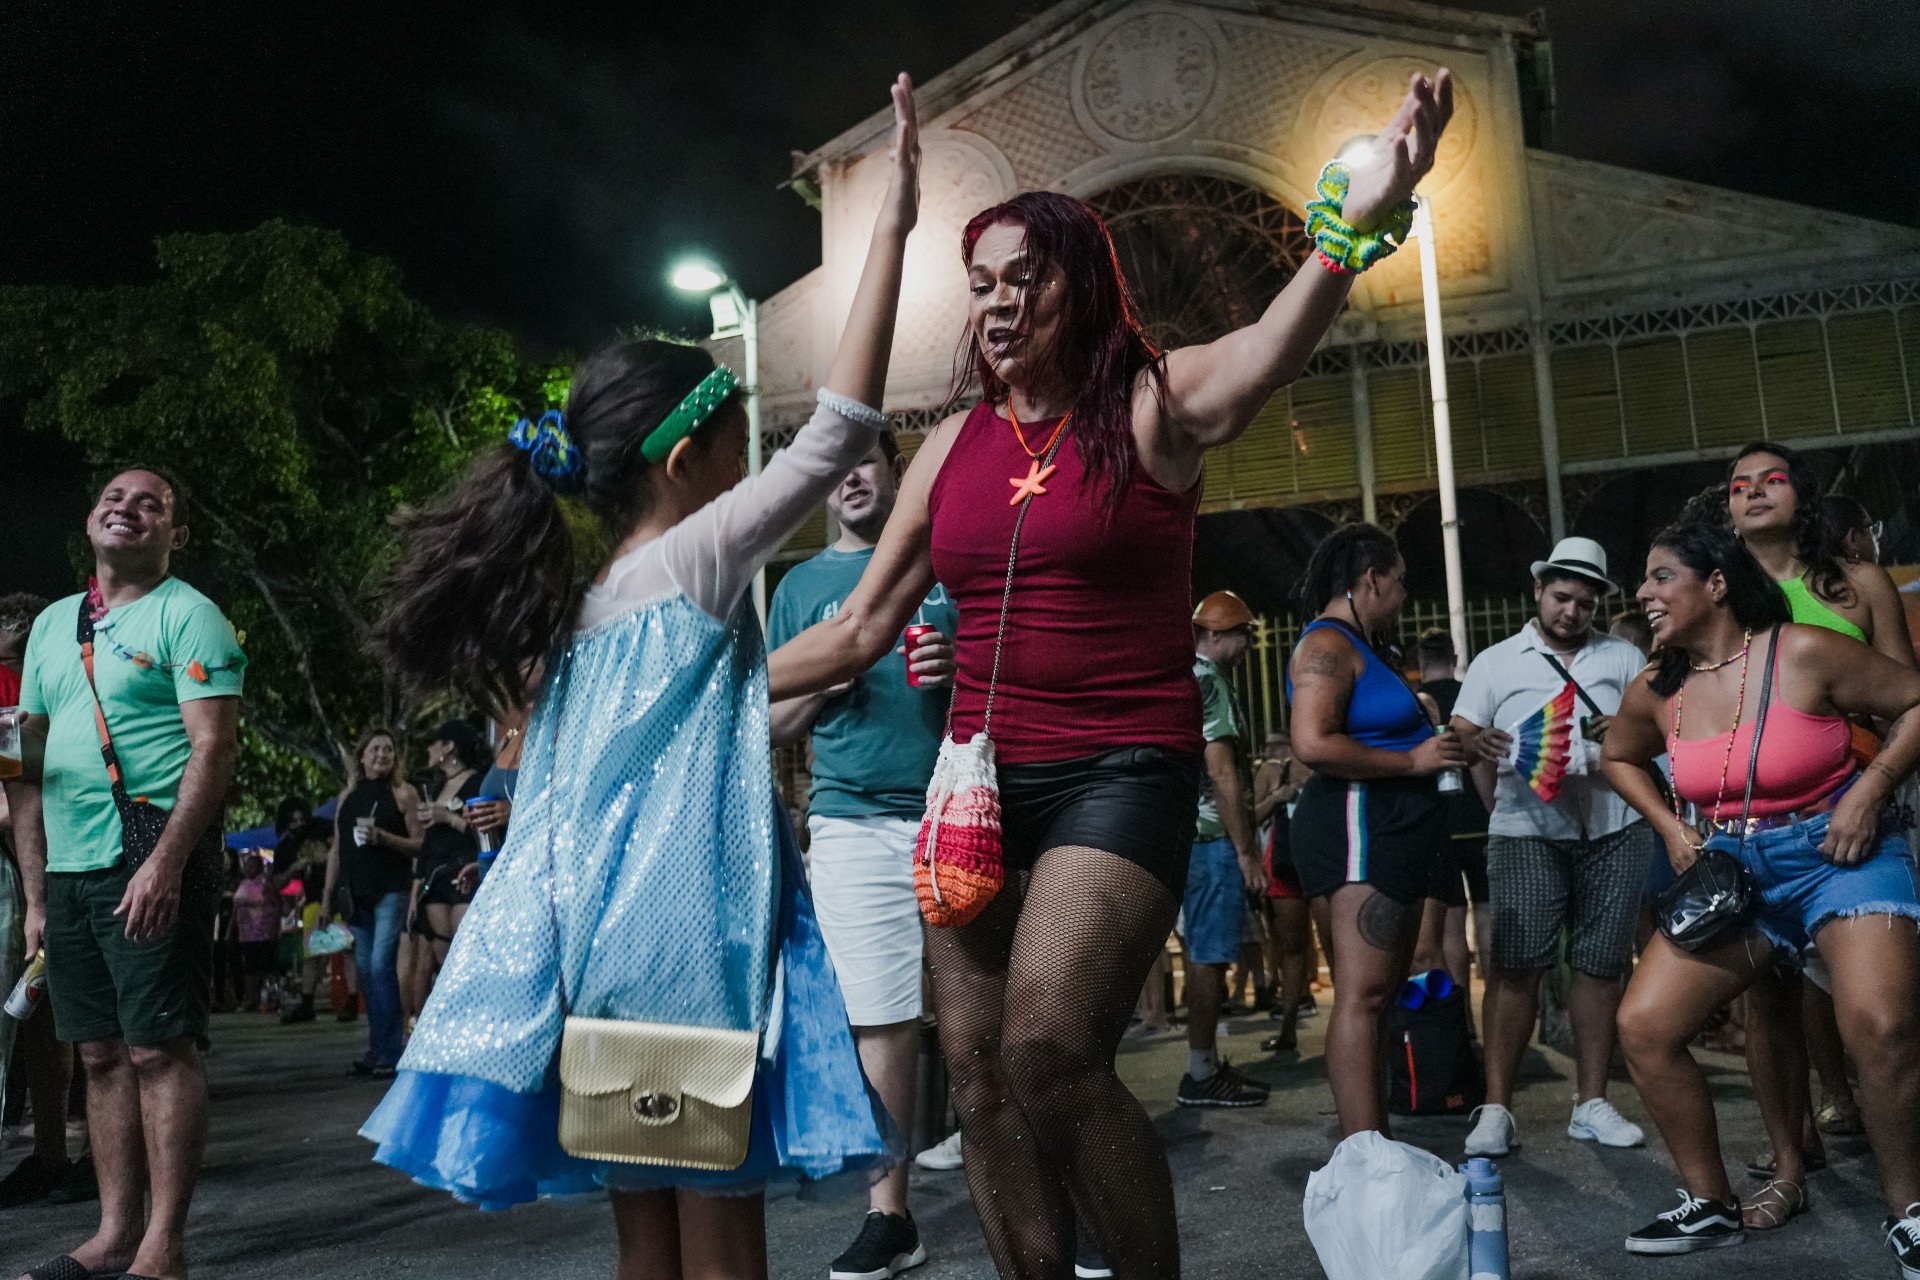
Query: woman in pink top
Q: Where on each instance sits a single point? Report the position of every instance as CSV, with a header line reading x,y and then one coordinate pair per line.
x,y
1825,868
256,926
1096,714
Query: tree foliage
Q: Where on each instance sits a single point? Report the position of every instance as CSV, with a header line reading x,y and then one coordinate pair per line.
x,y
302,396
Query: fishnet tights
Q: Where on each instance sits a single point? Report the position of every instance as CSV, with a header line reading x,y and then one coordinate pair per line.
x,y
1033,998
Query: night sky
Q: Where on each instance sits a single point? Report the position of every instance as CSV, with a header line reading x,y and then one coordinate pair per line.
x,y
538,166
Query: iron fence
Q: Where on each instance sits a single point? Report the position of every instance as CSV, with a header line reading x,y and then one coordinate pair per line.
x,y
1261,681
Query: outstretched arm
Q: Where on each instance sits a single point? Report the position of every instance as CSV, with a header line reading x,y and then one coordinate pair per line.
x,y
713,554
1214,390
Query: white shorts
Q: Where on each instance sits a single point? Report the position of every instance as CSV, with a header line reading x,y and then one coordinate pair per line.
x,y
861,870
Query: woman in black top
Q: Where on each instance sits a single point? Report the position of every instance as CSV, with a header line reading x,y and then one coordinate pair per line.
x,y
369,872
459,757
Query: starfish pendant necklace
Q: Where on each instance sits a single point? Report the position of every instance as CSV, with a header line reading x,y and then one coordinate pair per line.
x,y
1034,483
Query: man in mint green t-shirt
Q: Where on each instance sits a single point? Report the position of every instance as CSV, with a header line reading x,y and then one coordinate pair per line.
x,y
129,958
874,744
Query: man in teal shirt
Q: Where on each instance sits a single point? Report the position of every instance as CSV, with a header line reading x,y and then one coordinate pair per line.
x,y
129,957
874,744
1225,865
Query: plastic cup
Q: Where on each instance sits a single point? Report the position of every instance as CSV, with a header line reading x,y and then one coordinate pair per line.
x,y
914,634
9,743
487,844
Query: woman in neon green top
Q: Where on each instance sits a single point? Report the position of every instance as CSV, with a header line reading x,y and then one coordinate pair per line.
x,y
1773,498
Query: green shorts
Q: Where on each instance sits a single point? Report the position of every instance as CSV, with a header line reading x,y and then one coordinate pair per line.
x,y
104,986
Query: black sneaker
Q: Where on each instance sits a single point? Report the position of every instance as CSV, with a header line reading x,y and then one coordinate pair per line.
x,y
1224,1088
1903,1237
30,1182
1697,1224
1088,1264
81,1184
888,1244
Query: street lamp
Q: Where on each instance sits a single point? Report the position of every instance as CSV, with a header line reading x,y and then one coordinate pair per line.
x,y
1442,426
734,316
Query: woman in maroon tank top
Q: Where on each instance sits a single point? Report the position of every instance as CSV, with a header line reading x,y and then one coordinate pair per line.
x,y
1096,715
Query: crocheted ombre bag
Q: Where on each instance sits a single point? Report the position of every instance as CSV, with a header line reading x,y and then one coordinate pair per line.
x,y
958,863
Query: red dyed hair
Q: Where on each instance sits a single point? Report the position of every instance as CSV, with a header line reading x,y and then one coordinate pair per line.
x,y
1101,346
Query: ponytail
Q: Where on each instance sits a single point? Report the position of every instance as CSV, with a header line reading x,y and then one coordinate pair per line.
x,y
485,581
487,575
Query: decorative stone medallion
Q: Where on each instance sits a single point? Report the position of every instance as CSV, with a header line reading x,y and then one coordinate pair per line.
x,y
1150,77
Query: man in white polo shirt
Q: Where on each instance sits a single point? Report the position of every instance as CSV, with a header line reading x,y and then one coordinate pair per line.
x,y
1578,861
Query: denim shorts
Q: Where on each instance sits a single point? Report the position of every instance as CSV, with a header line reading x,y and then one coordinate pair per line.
x,y
1801,890
1215,904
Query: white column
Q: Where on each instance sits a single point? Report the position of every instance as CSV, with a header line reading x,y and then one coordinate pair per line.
x,y
1549,432
1363,436
1442,429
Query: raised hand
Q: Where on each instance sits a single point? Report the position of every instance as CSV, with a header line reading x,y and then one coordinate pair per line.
x,y
903,189
1385,172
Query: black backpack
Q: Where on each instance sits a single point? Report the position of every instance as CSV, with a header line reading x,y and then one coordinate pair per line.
x,y
1432,1066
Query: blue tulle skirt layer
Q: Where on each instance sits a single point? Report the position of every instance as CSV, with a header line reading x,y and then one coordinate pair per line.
x,y
813,1114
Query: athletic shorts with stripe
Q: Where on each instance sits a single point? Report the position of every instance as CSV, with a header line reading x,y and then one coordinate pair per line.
x,y
1387,833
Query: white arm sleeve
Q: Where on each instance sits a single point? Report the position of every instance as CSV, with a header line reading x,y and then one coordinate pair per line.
x,y
712,555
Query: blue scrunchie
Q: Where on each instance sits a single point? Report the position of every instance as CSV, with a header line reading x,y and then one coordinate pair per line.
x,y
551,451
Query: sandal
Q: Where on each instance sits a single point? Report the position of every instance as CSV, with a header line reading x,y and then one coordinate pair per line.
x,y
1778,1203
65,1268
1838,1121
1763,1167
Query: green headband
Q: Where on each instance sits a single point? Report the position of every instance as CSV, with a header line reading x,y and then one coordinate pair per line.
x,y
687,416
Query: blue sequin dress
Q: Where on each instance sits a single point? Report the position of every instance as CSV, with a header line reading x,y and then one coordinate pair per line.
x,y
649,874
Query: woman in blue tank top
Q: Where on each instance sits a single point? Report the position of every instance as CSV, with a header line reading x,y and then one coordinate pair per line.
x,y
1369,825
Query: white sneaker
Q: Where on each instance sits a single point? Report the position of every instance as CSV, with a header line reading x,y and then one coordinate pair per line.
x,y
1494,1133
943,1155
1595,1120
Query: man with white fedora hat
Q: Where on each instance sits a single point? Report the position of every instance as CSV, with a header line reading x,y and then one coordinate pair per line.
x,y
1577,860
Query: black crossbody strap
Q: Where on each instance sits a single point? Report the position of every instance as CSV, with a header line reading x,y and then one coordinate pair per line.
x,y
1759,727
1554,662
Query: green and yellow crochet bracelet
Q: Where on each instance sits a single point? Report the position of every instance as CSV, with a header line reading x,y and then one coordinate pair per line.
x,y
1341,247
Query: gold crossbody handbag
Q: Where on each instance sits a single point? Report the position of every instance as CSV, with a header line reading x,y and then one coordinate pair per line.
x,y
649,1093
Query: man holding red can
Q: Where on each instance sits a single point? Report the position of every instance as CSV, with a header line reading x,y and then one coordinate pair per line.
x,y
874,744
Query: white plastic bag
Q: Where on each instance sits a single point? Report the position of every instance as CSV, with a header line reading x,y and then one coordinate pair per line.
x,y
1382,1210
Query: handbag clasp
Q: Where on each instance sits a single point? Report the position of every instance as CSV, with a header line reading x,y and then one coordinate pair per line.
x,y
657,1108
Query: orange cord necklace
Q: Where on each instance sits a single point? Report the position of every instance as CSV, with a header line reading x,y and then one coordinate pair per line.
x,y
1035,454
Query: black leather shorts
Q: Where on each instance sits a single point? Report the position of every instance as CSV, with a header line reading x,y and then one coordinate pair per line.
x,y
1137,802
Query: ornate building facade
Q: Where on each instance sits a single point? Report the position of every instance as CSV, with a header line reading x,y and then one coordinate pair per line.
x,y
1599,321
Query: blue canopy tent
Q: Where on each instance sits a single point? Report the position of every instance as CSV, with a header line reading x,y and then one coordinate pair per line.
x,y
265,837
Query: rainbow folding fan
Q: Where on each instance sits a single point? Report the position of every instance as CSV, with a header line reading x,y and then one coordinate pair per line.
x,y
1543,745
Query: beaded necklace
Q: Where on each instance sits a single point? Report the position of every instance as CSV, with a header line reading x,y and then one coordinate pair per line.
x,y
1739,707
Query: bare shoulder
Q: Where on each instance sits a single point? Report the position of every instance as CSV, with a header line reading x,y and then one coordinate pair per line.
x,y
1874,584
934,448
1322,653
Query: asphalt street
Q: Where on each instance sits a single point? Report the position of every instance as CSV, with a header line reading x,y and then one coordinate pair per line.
x,y
289,1192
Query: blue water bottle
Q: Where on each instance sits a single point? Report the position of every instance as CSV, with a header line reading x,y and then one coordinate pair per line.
x,y
1486,1220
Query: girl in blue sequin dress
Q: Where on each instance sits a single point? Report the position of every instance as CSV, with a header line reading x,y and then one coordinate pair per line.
x,y
648,875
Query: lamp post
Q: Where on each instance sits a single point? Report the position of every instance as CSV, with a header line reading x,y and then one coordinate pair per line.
x,y
1442,427
734,316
